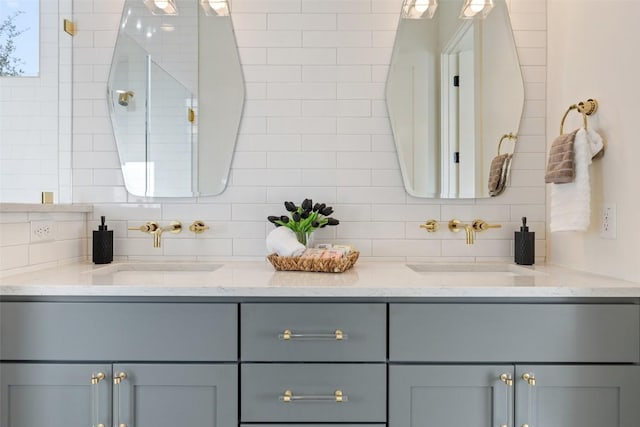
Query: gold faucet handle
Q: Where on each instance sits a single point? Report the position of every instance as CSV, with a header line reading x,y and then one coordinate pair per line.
x,y
174,227
481,225
455,225
149,227
431,226
198,227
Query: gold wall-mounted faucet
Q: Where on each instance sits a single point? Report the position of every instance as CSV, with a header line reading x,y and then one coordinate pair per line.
x,y
156,230
455,225
478,225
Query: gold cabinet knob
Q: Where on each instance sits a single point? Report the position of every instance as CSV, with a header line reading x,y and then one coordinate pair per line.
x,y
119,377
529,378
507,379
431,226
198,227
123,425
100,425
96,378
525,425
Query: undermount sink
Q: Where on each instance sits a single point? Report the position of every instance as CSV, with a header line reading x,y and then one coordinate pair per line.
x,y
159,267
494,269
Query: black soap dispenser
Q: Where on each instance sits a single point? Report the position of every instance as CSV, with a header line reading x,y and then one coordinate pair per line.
x,y
525,245
102,244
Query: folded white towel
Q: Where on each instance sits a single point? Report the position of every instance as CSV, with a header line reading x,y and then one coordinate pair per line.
x,y
571,202
283,241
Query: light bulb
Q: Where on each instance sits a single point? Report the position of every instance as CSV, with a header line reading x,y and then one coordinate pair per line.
x,y
421,5
476,5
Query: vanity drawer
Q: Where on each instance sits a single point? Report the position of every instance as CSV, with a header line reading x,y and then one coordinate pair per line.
x,y
571,333
313,390
118,331
313,334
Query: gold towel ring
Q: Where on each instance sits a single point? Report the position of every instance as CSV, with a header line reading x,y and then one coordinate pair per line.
x,y
586,108
506,136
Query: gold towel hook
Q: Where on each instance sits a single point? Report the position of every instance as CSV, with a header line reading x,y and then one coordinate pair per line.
x,y
586,108
506,136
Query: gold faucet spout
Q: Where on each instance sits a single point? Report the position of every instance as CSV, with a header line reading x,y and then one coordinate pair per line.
x,y
471,234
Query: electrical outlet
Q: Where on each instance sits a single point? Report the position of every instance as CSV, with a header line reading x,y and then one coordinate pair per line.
x,y
608,225
42,231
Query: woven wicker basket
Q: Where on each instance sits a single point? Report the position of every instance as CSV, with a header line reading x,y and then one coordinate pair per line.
x,y
283,263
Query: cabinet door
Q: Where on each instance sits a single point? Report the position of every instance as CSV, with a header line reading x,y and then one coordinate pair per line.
x,y
175,395
55,394
436,396
578,396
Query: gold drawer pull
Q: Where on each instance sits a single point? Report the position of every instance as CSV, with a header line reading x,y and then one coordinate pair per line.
x,y
338,397
337,335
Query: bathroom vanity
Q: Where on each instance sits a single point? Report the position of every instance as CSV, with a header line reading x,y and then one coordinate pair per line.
x,y
381,344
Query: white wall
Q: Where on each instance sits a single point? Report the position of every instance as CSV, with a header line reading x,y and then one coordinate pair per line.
x,y
315,125
593,49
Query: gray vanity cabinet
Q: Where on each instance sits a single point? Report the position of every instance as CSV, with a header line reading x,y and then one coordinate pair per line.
x,y
140,395
54,394
438,396
160,364
163,395
588,373
578,396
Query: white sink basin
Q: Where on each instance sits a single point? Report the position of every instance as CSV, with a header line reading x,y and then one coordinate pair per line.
x,y
494,269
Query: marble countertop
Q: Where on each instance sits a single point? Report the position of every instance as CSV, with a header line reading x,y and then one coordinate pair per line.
x,y
258,279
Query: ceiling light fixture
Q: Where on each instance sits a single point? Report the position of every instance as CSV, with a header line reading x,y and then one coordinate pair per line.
x,y
419,9
476,9
161,7
215,7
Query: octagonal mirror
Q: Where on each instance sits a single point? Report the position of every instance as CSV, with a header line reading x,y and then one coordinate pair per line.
x,y
454,90
175,95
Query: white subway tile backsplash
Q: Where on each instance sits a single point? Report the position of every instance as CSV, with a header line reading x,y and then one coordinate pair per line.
x,y
268,143
337,39
12,234
301,21
314,125
308,160
301,91
363,56
399,248
336,6
336,73
301,56
269,38
251,21
272,73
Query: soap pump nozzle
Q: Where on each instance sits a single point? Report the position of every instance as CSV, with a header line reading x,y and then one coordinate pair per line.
x,y
102,226
524,224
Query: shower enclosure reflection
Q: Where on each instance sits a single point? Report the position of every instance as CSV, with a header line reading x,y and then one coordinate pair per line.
x,y
175,95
